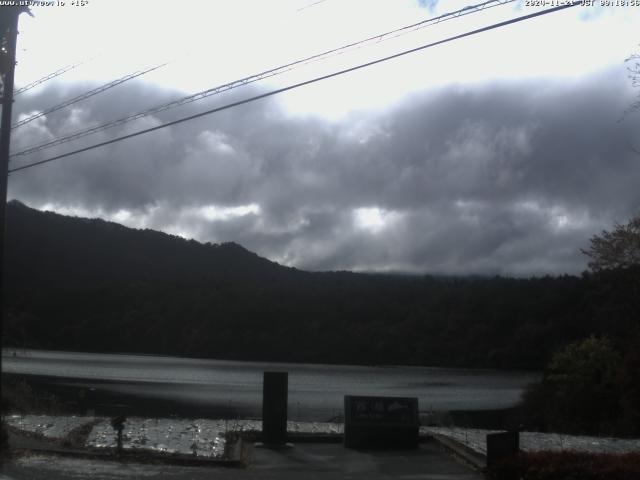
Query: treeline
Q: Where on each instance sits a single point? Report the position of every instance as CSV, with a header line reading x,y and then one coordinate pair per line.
x,y
91,285
588,387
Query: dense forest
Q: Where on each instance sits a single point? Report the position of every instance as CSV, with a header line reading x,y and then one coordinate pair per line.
x,y
91,285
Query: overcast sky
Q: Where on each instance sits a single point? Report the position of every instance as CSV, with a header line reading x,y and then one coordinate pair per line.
x,y
501,153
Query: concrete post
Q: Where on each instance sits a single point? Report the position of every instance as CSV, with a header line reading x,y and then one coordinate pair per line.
x,y
274,407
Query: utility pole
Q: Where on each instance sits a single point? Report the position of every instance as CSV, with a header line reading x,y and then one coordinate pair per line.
x,y
9,34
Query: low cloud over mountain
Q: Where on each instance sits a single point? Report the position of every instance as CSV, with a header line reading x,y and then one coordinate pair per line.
x,y
510,177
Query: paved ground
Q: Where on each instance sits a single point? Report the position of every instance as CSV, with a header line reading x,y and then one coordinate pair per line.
x,y
302,461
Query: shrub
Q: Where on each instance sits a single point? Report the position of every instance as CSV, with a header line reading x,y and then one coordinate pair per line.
x,y
568,465
18,396
581,391
4,441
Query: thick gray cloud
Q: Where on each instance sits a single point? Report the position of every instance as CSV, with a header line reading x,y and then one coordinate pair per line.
x,y
508,178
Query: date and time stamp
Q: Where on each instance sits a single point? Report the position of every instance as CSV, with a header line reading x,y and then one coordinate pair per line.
x,y
526,3
45,3
582,3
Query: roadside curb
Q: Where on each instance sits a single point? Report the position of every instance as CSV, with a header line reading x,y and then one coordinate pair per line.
x,y
315,437
140,457
476,460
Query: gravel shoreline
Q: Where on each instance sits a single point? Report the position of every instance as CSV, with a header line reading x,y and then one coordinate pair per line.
x,y
206,437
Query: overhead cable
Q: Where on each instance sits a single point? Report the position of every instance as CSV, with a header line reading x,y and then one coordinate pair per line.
x,y
263,75
50,76
86,95
300,84
313,4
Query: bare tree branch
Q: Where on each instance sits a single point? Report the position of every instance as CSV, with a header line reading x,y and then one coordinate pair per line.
x,y
619,248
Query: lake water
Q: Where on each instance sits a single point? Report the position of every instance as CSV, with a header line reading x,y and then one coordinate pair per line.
x,y
235,388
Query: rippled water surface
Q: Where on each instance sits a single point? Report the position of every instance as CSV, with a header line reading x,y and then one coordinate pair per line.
x,y
316,392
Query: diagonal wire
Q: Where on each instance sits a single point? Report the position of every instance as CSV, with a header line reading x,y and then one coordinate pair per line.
x,y
301,84
86,95
313,4
265,74
50,76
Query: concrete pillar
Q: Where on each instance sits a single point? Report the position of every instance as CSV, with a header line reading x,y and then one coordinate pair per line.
x,y
275,389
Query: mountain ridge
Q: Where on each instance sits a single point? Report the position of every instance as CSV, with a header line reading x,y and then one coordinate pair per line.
x,y
91,285
144,251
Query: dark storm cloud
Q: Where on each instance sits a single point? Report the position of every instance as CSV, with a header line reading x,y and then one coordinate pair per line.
x,y
498,178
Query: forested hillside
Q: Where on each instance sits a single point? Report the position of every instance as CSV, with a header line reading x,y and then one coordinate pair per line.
x,y
91,285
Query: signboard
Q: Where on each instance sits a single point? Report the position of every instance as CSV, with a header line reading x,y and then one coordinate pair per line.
x,y
501,446
381,422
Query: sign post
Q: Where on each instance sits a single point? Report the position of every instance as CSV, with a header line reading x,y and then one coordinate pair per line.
x,y
502,446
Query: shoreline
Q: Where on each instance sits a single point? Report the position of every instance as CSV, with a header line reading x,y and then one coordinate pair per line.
x,y
116,397
181,435
72,396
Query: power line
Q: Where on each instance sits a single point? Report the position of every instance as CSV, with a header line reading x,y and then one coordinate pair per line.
x,y
313,4
86,95
50,76
72,66
301,84
263,75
